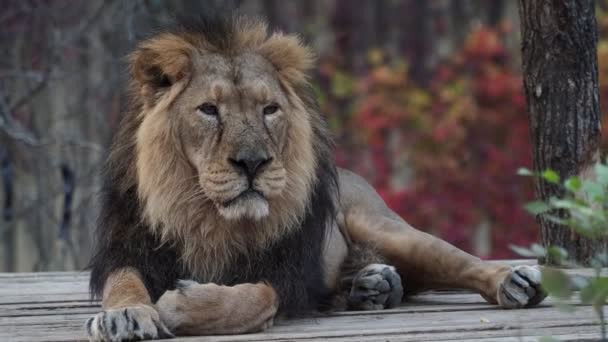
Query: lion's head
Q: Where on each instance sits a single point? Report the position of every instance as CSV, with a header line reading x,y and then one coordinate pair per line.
x,y
229,147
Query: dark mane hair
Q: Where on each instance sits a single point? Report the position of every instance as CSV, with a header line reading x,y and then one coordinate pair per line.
x,y
217,26
292,264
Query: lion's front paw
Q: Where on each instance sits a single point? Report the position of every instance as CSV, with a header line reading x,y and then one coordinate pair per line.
x,y
210,309
131,323
376,287
521,288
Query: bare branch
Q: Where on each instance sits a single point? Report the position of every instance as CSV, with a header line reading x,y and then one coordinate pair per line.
x,y
12,127
30,94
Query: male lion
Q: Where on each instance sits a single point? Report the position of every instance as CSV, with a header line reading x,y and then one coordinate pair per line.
x,y
222,174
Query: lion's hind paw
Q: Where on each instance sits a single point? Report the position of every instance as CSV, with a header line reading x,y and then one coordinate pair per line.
x,y
521,288
376,287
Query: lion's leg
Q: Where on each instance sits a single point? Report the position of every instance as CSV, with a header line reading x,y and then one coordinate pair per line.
x,y
191,309
427,262
208,309
128,312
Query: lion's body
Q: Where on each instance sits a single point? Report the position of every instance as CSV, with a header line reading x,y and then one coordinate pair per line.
x,y
222,174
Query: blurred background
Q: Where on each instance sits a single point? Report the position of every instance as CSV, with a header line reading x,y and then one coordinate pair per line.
x,y
424,99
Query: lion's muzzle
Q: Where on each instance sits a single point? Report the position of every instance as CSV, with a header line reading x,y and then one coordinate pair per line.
x,y
250,162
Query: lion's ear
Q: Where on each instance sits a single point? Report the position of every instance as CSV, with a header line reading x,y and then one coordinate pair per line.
x,y
159,62
292,58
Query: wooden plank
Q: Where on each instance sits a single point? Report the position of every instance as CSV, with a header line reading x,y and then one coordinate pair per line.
x,y
441,302
54,306
446,332
32,275
367,324
566,334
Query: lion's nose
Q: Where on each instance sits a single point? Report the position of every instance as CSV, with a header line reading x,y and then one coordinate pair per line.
x,y
250,163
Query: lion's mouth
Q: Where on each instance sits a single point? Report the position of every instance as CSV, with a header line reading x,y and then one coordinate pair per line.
x,y
251,204
249,194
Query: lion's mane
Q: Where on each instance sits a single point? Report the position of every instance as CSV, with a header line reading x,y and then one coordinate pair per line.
x,y
152,219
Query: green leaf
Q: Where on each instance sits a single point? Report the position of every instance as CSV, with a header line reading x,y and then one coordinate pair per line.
x,y
526,252
522,171
561,203
537,207
587,293
595,292
579,282
584,229
556,283
557,253
593,190
601,172
596,265
573,184
550,176
556,219
538,249
602,258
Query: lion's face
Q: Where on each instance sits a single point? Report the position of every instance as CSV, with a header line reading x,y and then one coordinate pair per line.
x,y
233,122
225,135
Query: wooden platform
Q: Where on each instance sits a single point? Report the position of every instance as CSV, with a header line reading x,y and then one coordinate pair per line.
x,y
54,307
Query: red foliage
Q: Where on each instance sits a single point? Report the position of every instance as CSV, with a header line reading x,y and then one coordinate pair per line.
x,y
462,139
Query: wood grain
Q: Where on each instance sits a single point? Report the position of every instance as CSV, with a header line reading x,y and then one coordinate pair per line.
x,y
54,307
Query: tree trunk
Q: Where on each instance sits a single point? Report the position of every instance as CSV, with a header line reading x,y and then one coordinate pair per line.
x,y
559,55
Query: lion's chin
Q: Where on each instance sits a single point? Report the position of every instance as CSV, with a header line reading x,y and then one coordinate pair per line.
x,y
249,205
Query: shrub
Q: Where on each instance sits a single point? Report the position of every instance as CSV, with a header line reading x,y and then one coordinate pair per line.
x,y
584,209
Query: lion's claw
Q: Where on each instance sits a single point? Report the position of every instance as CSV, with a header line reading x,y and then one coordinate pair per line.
x,y
131,323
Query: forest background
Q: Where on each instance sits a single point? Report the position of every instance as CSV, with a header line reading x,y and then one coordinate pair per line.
x,y
424,99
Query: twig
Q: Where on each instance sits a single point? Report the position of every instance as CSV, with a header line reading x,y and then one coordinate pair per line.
x,y
12,127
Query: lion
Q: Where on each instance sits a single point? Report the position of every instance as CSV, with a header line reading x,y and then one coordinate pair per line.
x,y
223,208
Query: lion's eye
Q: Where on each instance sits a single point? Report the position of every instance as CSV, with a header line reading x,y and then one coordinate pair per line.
x,y
271,109
209,109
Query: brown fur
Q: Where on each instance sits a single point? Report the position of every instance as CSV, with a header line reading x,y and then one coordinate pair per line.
x,y
167,181
209,309
174,204
125,288
175,209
